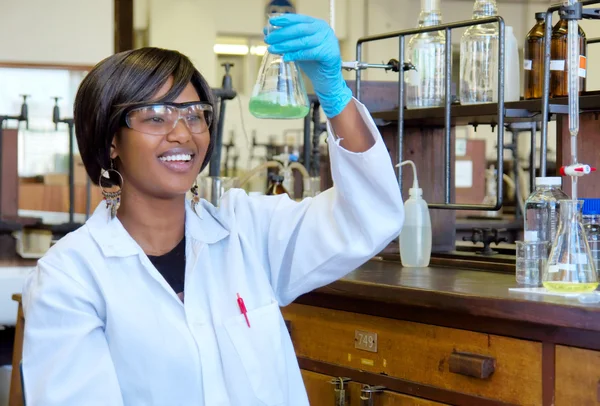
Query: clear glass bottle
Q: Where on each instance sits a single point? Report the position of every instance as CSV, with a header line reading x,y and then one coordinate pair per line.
x,y
279,92
570,267
542,210
591,225
479,57
425,86
559,78
533,59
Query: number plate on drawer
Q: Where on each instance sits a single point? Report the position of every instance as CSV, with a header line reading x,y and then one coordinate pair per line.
x,y
364,340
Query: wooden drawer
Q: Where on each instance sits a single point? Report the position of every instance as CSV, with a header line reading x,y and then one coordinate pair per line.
x,y
319,388
386,398
419,352
321,393
577,377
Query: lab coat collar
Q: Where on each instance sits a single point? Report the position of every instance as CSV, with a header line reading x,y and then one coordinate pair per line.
x,y
204,224
115,241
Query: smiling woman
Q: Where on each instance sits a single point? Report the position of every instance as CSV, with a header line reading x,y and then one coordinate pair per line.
x,y
136,79
105,307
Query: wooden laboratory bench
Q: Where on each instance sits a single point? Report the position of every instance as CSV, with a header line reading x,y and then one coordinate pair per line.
x,y
438,336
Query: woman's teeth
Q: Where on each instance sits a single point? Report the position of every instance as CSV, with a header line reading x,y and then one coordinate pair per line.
x,y
179,157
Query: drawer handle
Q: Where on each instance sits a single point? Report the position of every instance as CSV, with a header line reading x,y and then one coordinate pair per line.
x,y
473,365
341,396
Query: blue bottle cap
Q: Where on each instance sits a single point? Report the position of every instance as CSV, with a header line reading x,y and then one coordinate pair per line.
x,y
591,207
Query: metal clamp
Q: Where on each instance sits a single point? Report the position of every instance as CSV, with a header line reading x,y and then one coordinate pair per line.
x,y
571,12
341,396
366,394
577,12
392,65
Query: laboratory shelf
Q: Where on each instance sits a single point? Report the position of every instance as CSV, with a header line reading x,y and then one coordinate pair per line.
x,y
486,114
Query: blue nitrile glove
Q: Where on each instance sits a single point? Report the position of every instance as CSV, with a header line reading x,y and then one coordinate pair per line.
x,y
312,44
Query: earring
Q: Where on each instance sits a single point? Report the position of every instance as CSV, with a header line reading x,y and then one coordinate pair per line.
x,y
113,199
195,196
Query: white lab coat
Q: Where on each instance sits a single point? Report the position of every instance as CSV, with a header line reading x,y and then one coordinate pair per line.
x,y
104,328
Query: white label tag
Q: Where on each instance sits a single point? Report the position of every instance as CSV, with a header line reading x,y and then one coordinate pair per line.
x,y
567,267
582,66
461,147
412,77
581,259
527,64
553,269
463,174
557,65
531,235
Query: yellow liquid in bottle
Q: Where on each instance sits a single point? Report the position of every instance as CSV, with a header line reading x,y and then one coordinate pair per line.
x,y
570,287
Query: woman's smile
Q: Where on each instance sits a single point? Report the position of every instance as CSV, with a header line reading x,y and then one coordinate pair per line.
x,y
180,160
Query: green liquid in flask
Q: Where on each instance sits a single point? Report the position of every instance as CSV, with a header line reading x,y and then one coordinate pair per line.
x,y
261,108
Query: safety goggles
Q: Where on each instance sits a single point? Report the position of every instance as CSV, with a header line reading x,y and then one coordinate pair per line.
x,y
161,118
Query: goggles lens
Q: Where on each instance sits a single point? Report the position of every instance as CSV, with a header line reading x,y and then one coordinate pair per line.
x,y
161,119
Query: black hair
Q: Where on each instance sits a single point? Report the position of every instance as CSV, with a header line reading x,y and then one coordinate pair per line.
x,y
117,82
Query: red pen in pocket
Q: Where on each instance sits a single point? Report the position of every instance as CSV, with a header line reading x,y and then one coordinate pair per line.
x,y
243,309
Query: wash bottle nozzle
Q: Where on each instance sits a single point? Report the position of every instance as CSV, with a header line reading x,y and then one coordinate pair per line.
x,y
415,179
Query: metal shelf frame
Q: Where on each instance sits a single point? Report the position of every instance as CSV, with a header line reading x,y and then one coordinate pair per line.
x,y
447,28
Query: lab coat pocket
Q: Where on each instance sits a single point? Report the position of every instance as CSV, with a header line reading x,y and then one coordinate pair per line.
x,y
260,351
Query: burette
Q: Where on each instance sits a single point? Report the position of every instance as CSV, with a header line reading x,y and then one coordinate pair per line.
x,y
575,169
573,69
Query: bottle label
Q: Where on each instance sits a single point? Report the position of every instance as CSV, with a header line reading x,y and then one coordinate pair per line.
x,y
527,64
566,267
582,66
531,236
581,259
412,77
558,65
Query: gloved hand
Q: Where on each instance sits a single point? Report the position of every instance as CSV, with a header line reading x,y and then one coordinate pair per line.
x,y
312,44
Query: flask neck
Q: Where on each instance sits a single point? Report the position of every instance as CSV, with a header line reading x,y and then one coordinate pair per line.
x,y
570,209
484,8
430,18
430,13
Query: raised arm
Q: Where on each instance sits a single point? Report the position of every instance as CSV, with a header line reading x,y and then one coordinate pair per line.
x,y
319,240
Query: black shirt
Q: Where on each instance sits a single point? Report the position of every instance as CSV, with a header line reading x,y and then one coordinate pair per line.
x,y
172,267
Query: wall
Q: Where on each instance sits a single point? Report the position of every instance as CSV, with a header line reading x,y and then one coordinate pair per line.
x,y
188,26
192,26
57,31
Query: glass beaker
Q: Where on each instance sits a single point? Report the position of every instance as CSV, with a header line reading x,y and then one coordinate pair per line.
x,y
532,257
570,266
279,91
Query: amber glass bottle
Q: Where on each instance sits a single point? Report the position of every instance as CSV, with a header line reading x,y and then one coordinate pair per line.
x,y
533,59
559,79
276,188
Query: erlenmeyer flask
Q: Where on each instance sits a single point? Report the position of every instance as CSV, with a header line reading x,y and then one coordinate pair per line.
x,y
570,267
279,91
